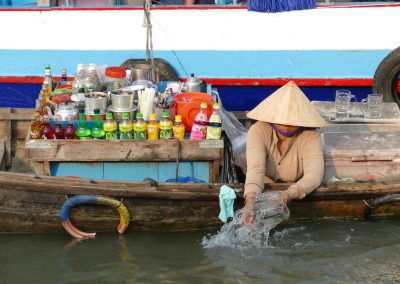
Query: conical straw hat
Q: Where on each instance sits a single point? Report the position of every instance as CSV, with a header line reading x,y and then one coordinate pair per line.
x,y
289,106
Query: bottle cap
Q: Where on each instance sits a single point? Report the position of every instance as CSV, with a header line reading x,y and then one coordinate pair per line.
x,y
165,114
153,116
125,115
203,105
96,111
216,106
81,110
109,115
178,118
139,115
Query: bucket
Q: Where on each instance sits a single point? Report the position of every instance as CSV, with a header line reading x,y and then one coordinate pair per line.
x,y
188,106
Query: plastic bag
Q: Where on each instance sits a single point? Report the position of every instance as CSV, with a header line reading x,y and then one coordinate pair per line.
x,y
236,133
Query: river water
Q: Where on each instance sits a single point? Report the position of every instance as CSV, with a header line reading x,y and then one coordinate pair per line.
x,y
329,251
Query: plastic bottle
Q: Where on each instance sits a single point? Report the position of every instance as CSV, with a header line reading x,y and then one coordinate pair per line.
x,y
165,126
139,128
48,131
70,129
179,128
83,131
214,127
97,131
59,131
199,127
153,127
48,78
125,127
36,132
64,77
110,127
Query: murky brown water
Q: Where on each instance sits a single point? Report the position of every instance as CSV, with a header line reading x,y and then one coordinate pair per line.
x,y
328,251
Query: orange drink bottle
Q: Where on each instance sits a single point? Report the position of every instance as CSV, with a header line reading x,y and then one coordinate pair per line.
x,y
179,128
153,127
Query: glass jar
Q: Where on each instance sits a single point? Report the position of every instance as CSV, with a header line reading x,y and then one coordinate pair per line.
x,y
115,77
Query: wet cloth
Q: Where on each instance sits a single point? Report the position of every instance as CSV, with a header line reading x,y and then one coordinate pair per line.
x,y
302,163
227,197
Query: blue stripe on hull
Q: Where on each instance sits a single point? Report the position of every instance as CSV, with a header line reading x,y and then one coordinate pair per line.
x,y
208,64
234,98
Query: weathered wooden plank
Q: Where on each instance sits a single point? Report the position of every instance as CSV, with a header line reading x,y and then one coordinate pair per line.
x,y
122,150
2,155
16,114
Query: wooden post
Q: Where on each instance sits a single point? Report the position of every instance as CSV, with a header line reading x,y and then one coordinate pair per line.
x,y
2,155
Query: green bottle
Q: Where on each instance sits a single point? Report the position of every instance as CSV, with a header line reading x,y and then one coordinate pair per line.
x,y
110,127
82,131
140,128
125,127
97,131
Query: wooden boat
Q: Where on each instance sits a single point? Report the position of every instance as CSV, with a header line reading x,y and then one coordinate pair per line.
x,y
31,202
316,48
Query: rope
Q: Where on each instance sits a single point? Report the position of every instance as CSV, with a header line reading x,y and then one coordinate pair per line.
x,y
149,37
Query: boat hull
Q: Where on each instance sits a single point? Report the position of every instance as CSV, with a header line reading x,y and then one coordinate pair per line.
x,y
32,204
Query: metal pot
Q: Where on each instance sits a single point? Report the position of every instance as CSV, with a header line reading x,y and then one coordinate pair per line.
x,y
96,100
118,114
122,99
64,111
192,84
145,72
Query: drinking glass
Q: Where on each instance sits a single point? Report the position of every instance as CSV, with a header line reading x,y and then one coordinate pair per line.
x,y
374,105
342,103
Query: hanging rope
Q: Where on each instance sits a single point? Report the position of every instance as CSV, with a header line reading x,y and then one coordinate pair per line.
x,y
149,38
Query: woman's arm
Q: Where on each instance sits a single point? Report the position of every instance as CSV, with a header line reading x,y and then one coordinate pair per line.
x,y
313,165
256,155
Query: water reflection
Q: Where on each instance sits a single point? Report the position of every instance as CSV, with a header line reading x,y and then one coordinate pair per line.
x,y
327,251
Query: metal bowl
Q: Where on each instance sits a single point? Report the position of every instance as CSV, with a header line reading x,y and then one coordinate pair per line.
x,y
96,100
122,99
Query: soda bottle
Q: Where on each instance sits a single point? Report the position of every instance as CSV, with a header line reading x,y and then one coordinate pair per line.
x,y
83,131
64,77
36,129
70,129
59,131
48,131
199,127
97,131
214,128
110,127
165,126
179,128
125,127
139,128
153,127
48,78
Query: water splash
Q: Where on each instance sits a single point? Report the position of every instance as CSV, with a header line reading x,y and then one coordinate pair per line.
x,y
269,211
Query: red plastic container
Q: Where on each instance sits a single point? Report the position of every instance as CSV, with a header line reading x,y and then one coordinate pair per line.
x,y
188,105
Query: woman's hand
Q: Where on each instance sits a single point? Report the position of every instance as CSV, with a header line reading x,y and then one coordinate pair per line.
x,y
248,210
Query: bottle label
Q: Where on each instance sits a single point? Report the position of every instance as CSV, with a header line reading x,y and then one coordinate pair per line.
x,y
125,127
214,133
179,132
165,133
152,131
198,132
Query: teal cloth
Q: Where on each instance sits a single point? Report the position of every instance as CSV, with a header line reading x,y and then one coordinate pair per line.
x,y
227,197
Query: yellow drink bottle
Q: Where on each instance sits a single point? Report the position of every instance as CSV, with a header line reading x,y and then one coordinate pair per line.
x,y
178,128
153,127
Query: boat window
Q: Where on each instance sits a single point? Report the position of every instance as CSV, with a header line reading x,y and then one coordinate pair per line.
x,y
158,3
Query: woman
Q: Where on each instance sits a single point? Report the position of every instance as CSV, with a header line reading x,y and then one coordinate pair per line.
x,y
283,146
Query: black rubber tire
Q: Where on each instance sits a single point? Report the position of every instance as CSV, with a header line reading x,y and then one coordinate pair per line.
x,y
165,71
386,77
